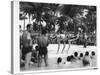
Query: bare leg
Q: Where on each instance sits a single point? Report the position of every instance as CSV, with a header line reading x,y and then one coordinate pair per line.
x,y
27,60
64,45
46,59
58,46
69,43
39,60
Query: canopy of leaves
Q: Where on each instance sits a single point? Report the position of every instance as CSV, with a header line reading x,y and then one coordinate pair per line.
x,y
71,16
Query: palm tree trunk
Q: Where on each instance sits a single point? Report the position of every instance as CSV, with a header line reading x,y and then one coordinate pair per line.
x,y
24,23
74,28
29,19
24,20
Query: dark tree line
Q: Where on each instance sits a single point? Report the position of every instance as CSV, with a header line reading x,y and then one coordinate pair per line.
x,y
71,16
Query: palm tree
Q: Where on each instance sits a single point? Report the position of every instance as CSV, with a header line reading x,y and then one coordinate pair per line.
x,y
23,17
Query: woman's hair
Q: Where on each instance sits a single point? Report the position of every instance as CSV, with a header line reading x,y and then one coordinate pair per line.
x,y
59,60
81,54
68,58
75,54
29,25
86,53
92,53
36,47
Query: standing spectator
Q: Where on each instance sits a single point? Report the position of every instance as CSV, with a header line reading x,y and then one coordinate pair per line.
x,y
27,45
43,42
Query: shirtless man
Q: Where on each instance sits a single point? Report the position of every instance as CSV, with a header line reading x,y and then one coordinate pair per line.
x,y
43,42
27,45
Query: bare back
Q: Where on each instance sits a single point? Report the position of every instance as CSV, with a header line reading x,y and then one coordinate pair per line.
x,y
42,41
